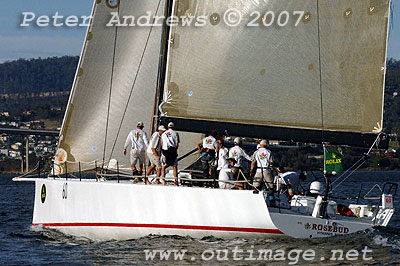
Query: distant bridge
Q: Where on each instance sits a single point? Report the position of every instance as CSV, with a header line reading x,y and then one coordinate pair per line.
x,y
26,132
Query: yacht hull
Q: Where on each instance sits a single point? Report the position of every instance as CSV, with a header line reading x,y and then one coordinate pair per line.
x,y
122,211
105,210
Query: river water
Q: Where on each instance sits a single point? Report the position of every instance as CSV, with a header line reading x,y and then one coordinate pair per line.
x,y
20,244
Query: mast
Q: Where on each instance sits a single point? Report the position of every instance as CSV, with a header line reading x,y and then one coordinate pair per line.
x,y
162,66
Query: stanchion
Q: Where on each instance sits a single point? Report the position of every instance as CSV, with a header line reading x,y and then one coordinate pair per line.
x,y
80,172
66,171
118,171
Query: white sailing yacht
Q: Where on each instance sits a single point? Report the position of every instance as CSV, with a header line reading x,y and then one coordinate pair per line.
x,y
318,78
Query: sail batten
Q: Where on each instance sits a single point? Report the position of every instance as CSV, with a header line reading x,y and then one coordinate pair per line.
x,y
326,74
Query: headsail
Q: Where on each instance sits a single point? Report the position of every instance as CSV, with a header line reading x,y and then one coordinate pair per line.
x,y
114,86
321,80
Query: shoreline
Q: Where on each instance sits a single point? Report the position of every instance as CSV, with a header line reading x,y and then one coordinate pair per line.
x,y
10,173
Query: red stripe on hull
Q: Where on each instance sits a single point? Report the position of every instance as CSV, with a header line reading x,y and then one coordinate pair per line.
x,y
166,226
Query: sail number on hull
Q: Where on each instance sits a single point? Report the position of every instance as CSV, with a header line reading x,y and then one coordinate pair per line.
x,y
65,191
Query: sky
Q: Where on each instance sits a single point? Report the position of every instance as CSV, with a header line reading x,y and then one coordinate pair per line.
x,y
32,42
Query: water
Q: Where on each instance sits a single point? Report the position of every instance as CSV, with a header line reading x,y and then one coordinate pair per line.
x,y
20,244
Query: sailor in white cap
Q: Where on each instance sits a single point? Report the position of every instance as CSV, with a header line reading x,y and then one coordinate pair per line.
x,y
154,153
262,161
138,140
169,145
238,153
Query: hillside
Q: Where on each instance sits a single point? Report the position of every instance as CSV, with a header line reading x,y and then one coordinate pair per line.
x,y
37,75
42,87
392,97
39,84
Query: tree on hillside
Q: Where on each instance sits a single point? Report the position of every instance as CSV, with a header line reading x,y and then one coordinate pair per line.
x,y
38,75
392,97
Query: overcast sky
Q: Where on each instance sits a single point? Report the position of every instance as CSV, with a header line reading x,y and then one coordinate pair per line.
x,y
32,42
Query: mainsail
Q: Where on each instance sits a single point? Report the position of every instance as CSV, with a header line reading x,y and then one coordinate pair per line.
x,y
114,86
322,80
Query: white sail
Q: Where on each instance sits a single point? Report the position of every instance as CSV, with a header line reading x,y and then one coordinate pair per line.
x,y
114,87
326,73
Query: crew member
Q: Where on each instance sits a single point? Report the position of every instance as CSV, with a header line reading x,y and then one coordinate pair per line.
x,y
138,140
239,154
170,144
290,181
227,173
154,153
209,149
262,160
222,155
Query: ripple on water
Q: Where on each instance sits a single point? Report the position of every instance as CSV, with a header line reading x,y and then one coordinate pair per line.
x,y
21,244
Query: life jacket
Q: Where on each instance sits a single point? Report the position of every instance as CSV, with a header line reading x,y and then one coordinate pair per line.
x,y
345,211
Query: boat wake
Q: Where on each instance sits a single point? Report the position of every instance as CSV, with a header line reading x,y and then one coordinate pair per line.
x,y
386,237
375,238
385,243
57,238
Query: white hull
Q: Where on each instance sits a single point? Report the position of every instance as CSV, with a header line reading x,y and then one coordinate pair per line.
x,y
108,210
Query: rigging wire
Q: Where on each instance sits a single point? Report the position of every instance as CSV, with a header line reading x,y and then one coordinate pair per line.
x,y
361,161
376,185
109,95
320,72
350,174
348,170
134,81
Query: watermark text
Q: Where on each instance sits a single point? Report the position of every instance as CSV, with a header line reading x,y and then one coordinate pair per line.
x,y
291,257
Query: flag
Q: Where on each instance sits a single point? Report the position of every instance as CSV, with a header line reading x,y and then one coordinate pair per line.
x,y
333,161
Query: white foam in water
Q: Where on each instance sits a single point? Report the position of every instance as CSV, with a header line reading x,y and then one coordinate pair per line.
x,y
59,238
37,228
385,242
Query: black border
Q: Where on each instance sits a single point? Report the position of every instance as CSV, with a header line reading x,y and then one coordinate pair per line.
x,y
274,133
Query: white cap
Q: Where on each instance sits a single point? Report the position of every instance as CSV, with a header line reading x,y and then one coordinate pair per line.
x,y
171,124
140,124
263,142
315,187
237,140
161,128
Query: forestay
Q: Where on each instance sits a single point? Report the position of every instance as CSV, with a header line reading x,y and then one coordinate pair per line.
x,y
326,74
